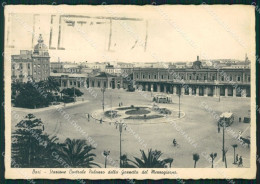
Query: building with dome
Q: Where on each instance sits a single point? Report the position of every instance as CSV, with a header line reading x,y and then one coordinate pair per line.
x,y
31,65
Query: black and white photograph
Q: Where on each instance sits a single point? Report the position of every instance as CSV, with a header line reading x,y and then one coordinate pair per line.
x,y
132,92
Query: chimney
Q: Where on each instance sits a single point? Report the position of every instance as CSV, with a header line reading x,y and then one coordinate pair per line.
x,y
198,58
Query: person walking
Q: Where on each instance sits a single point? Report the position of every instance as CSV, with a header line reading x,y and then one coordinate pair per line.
x,y
101,121
240,161
218,127
174,142
236,158
88,117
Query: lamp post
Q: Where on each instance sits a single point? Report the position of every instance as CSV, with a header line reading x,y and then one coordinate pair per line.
x,y
120,131
223,148
179,101
103,101
74,94
218,86
106,153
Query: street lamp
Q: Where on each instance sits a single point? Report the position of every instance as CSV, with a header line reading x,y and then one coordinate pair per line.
x,y
179,101
120,131
106,153
223,148
217,83
74,94
103,103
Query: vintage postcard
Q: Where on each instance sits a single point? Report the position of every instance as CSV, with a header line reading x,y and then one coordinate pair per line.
x,y
131,92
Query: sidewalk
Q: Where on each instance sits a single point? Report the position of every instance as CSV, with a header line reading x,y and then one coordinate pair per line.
x,y
18,109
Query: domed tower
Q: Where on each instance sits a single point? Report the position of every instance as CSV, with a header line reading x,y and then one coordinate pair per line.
x,y
41,61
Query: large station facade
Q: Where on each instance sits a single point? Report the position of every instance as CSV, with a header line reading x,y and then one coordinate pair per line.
x,y
195,80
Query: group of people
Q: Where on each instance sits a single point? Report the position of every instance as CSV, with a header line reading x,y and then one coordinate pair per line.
x,y
120,104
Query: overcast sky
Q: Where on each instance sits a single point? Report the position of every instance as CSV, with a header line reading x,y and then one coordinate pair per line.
x,y
135,34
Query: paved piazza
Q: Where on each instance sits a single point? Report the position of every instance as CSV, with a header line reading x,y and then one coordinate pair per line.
x,y
196,121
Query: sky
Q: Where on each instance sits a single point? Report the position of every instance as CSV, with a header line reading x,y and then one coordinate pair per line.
x,y
133,33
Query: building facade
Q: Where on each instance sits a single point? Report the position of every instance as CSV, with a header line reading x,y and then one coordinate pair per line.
x,y
31,65
69,80
195,80
105,80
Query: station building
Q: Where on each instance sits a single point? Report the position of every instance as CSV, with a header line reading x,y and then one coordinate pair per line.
x,y
195,80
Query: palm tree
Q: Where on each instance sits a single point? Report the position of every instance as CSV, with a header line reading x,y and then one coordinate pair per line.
x,y
234,146
196,157
125,163
225,154
152,160
170,160
213,156
76,153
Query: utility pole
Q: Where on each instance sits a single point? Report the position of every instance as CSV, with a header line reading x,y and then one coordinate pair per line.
x,y
120,131
179,101
74,95
103,101
223,148
111,105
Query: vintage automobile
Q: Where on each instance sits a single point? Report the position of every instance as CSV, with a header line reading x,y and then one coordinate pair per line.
x,y
227,118
162,99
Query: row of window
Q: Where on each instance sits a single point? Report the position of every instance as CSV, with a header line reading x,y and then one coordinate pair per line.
x,y
190,77
21,66
39,66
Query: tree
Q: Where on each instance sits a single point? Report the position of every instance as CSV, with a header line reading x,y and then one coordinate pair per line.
x,y
30,147
32,95
196,158
52,85
234,146
125,163
213,156
225,154
70,92
77,153
152,160
16,88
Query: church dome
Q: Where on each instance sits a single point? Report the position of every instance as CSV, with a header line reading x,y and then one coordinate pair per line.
x,y
40,47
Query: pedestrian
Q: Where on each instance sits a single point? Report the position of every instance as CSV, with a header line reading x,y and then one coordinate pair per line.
x,y
239,119
174,142
236,158
119,104
239,135
218,129
42,127
101,121
240,161
88,116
